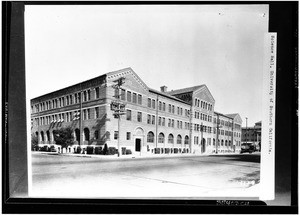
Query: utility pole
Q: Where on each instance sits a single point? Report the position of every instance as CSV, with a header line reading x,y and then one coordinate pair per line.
x,y
201,141
118,107
80,118
217,140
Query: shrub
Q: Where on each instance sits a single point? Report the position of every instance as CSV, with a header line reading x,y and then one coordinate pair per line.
x,y
112,151
98,150
128,152
123,150
183,150
157,150
90,150
78,150
45,149
175,150
167,150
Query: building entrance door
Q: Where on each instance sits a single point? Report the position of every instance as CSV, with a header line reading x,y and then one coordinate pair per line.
x,y
137,145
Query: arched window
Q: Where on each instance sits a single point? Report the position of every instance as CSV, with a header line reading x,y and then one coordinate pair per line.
x,y
179,139
225,142
222,142
77,134
186,139
170,138
150,137
96,134
86,132
42,135
48,135
161,138
229,143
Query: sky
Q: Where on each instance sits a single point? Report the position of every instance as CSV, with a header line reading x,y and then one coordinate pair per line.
x,y
179,46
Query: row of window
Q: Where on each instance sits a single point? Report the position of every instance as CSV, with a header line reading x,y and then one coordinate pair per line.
x,y
68,117
65,100
128,96
161,120
223,122
161,137
203,117
203,104
197,127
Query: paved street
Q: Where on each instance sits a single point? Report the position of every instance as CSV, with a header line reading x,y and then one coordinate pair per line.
x,y
188,176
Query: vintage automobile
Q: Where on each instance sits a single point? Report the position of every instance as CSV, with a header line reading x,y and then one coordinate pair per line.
x,y
247,147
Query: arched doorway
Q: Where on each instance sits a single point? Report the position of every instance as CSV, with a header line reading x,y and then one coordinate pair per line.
x,y
139,135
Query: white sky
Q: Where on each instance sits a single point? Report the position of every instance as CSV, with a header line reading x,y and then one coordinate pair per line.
x,y
176,46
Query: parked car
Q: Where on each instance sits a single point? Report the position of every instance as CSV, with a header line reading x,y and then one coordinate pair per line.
x,y
247,147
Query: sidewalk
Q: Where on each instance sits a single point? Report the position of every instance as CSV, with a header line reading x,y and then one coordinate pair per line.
x,y
131,156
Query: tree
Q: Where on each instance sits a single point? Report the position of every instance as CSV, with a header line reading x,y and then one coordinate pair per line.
x,y
64,137
34,142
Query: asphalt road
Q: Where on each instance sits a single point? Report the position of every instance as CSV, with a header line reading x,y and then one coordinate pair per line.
x,y
176,177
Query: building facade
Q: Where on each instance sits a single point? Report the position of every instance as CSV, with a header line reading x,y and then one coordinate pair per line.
x,y
177,121
252,134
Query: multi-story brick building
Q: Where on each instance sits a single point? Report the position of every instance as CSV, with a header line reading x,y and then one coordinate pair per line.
x,y
154,121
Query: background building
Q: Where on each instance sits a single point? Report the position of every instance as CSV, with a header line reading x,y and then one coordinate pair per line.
x,y
252,134
177,121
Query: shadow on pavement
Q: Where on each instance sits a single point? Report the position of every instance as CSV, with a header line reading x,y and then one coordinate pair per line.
x,y
255,158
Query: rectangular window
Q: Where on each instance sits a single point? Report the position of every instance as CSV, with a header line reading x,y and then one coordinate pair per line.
x,y
84,114
88,114
128,114
63,101
149,103
159,105
84,96
169,123
134,97
89,95
178,110
116,135
96,112
128,96
159,120
170,108
153,103
172,123
123,92
128,135
148,118
181,124
71,99
139,116
163,121
178,124
153,120
164,106
181,111
97,94
139,99
173,109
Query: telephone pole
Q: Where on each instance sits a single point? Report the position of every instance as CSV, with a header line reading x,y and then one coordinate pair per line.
x,y
118,107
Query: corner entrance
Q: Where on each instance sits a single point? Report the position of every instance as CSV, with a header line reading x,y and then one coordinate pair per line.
x,y
137,145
